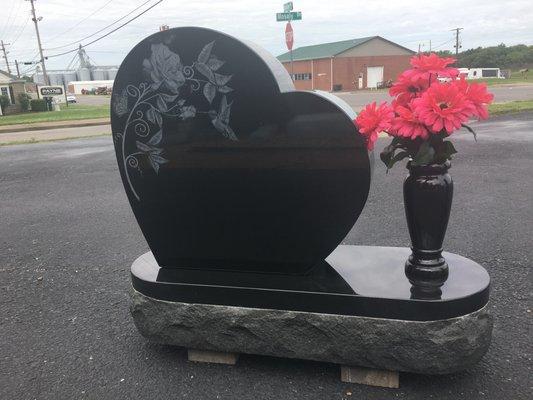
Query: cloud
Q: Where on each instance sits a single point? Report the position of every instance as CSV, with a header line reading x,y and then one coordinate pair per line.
x,y
408,23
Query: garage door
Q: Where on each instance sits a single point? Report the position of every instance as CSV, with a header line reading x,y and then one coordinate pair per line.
x,y
374,75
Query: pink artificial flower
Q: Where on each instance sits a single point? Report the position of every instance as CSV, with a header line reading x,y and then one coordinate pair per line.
x,y
372,120
432,66
479,96
408,86
443,107
406,124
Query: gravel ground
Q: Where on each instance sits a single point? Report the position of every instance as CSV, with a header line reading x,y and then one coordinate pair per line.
x,y
68,237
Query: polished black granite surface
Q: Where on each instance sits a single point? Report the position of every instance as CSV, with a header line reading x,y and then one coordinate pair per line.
x,y
354,280
225,165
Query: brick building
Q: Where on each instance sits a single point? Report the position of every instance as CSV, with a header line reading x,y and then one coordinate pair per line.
x,y
348,65
11,87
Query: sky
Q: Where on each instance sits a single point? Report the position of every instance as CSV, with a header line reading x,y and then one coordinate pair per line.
x,y
406,22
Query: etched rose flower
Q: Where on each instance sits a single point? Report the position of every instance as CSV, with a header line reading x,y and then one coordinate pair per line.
x,y
164,68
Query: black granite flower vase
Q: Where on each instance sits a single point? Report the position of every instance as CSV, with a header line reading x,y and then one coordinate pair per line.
x,y
428,194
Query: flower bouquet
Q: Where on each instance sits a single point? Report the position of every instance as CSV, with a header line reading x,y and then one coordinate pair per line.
x,y
430,102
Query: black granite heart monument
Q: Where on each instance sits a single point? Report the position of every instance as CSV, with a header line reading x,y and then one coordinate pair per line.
x,y
244,188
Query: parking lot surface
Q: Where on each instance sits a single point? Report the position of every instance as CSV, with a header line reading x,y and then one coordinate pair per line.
x,y
68,238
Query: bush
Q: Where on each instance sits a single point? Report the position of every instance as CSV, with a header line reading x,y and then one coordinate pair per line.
x,y
4,102
24,101
38,105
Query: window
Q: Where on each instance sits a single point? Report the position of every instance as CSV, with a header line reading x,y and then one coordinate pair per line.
x,y
302,77
4,92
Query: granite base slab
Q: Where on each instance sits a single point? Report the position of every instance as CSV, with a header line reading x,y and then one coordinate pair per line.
x,y
426,347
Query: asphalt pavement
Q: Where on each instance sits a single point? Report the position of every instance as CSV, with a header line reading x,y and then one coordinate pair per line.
x,y
68,237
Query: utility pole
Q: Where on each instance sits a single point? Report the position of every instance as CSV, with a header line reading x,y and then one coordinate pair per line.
x,y
35,21
5,54
457,43
17,65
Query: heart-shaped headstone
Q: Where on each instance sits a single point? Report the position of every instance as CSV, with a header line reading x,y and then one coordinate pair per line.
x,y
225,165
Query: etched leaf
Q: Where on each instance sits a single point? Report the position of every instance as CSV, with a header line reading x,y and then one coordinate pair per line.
x,y
150,114
214,63
158,159
225,110
156,139
205,53
121,103
225,89
167,97
205,71
161,104
221,80
143,147
210,91
154,164
181,102
230,134
158,118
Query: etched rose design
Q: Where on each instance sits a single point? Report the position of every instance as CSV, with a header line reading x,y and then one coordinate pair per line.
x,y
147,103
164,68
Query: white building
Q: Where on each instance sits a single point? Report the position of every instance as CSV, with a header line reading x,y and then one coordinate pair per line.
x,y
478,73
77,86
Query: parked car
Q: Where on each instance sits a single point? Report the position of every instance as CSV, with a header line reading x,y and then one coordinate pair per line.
x,y
71,98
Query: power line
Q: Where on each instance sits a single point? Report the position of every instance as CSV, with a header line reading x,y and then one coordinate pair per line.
x,y
21,31
100,30
5,30
442,44
3,47
78,23
457,43
35,21
108,33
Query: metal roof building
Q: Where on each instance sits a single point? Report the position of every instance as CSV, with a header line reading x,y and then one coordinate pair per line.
x,y
346,65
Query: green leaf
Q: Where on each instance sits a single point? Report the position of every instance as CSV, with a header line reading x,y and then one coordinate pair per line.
x,y
470,130
425,155
398,157
445,152
387,154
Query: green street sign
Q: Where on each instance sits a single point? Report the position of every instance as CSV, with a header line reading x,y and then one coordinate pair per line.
x,y
287,7
289,16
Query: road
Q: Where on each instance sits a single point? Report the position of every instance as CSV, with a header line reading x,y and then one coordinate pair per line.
x,y
68,237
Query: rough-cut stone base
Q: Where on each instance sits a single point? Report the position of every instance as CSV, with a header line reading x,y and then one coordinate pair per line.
x,y
435,347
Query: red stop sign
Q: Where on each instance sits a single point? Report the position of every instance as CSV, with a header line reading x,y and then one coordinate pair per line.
x,y
289,36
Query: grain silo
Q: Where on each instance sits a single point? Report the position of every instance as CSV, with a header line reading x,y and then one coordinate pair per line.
x,y
112,73
69,76
84,74
99,74
56,78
